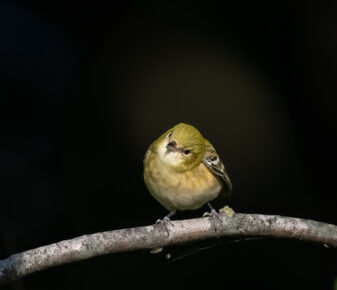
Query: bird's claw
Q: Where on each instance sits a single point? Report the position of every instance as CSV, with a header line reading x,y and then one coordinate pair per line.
x,y
214,215
165,222
206,214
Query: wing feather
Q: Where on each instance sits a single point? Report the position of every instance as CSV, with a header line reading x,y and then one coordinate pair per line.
x,y
213,162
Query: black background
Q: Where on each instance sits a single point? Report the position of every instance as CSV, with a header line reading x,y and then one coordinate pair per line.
x,y
86,87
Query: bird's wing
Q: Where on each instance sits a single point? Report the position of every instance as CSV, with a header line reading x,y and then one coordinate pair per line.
x,y
213,162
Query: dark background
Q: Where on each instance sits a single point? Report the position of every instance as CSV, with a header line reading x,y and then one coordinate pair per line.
x,y
86,87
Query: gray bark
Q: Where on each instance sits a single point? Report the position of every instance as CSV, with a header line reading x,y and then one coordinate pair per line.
x,y
156,236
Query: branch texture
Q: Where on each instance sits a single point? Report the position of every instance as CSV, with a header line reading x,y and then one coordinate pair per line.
x,y
155,236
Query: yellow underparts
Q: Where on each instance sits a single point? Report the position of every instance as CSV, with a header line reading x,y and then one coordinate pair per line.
x,y
180,191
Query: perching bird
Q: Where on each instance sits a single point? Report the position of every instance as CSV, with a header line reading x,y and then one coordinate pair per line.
x,y
183,171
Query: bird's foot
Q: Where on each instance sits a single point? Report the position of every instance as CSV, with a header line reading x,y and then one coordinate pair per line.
x,y
166,221
216,217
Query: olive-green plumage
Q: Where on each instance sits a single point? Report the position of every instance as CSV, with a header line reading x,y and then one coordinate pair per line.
x,y
182,169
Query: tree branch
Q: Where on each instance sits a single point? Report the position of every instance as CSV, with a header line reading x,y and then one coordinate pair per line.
x,y
155,236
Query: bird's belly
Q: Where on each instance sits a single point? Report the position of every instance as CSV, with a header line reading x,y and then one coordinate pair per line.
x,y
184,191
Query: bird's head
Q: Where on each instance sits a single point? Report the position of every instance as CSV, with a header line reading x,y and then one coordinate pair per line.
x,y
181,147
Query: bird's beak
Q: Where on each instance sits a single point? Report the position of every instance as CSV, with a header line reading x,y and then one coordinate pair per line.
x,y
172,147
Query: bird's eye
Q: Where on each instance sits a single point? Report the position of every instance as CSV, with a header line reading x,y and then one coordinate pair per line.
x,y
169,135
187,152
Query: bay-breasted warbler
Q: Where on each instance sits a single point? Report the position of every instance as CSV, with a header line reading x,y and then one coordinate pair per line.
x,y
183,171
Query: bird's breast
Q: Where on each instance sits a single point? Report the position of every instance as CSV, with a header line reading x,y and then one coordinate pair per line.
x,y
182,191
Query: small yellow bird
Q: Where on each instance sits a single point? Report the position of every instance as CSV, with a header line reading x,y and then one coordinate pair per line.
x,y
183,171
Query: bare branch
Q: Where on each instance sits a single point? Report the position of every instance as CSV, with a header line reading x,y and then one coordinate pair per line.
x,y
155,236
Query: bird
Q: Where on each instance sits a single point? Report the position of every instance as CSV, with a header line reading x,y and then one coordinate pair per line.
x,y
183,171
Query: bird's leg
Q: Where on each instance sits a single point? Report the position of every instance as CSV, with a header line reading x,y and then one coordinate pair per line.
x,y
213,214
166,220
